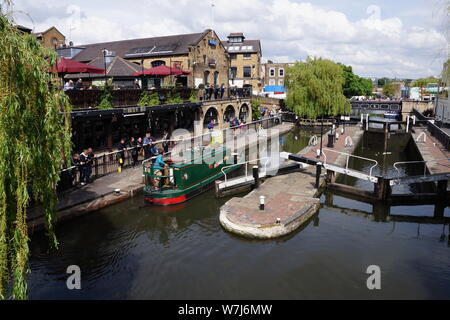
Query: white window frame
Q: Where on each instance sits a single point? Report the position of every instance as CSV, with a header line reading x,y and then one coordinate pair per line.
x,y
280,71
274,73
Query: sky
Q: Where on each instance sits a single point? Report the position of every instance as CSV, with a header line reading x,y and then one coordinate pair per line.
x,y
395,39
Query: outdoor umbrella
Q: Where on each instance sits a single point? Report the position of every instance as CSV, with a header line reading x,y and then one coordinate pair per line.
x,y
162,71
64,66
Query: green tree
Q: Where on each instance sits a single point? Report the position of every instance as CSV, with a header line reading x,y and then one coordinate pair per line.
x,y
315,88
35,140
355,85
256,109
422,83
389,90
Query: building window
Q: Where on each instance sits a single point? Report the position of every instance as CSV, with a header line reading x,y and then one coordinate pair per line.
x,y
272,72
216,78
247,56
233,56
177,64
281,82
271,82
158,63
247,72
281,72
233,72
206,78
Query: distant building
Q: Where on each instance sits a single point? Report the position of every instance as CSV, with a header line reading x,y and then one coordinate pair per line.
x,y
51,38
274,77
245,61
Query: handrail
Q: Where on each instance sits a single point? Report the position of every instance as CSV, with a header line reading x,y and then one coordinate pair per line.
x,y
353,156
313,141
416,162
246,168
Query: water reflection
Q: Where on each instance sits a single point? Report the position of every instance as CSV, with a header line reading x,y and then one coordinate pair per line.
x,y
134,251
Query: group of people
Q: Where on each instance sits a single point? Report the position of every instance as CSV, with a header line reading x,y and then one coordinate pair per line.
x,y
71,86
146,147
214,91
84,162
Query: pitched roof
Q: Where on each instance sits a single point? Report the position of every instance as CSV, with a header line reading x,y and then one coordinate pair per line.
x,y
118,67
243,47
147,47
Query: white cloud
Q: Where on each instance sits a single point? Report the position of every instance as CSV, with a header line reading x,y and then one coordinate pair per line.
x,y
289,30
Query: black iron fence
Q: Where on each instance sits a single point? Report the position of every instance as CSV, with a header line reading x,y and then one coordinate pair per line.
x,y
85,99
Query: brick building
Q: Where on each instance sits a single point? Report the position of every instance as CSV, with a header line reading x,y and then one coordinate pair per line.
x,y
51,38
245,61
202,54
273,73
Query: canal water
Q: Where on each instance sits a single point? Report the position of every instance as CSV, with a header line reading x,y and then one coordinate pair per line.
x,y
134,251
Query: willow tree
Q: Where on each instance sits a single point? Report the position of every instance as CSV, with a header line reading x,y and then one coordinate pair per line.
x,y
34,137
315,88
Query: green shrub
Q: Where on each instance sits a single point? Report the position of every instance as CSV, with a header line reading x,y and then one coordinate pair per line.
x,y
106,100
147,101
174,99
193,98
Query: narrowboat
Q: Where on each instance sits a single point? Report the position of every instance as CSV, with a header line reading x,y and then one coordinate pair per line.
x,y
186,177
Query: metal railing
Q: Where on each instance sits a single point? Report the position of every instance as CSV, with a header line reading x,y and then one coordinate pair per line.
x,y
246,167
348,160
397,164
435,131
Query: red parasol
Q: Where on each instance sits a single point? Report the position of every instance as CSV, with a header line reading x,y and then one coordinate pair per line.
x,y
71,66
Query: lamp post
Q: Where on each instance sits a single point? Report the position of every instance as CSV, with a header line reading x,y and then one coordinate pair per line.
x,y
104,51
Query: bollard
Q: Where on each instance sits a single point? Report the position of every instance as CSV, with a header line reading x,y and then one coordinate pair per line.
x,y
256,176
262,203
318,174
319,153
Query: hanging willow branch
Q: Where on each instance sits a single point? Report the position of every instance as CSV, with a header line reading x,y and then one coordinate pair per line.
x,y
34,137
315,88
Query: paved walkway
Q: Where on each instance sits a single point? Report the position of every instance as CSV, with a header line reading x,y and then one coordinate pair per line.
x,y
93,196
432,150
355,132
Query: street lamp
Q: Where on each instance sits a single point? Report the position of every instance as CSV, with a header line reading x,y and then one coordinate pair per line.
x,y
105,52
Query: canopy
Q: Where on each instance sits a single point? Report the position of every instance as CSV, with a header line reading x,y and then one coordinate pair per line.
x,y
71,66
162,71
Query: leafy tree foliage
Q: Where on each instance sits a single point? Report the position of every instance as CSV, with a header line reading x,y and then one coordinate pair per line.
x,y
34,139
422,83
355,85
389,90
256,109
315,88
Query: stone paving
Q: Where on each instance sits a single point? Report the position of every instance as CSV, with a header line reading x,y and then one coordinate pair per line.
x,y
355,132
432,150
292,199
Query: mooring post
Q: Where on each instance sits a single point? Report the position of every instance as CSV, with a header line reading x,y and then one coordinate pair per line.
x,y
318,174
256,176
442,188
383,190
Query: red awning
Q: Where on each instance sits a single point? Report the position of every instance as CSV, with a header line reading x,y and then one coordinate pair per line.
x,y
162,71
71,66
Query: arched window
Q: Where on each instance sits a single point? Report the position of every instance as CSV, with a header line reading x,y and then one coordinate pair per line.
x,y
158,63
281,72
211,115
206,78
216,77
229,114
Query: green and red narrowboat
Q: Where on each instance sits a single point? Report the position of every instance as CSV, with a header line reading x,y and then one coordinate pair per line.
x,y
188,177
